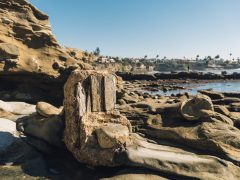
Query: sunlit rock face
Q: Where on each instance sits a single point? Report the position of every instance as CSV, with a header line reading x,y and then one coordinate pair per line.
x,y
94,131
30,57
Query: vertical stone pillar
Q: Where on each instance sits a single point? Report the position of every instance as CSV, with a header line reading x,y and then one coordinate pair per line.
x,y
97,92
109,93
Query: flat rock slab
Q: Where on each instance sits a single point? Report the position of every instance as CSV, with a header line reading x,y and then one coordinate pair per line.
x,y
176,161
19,108
218,138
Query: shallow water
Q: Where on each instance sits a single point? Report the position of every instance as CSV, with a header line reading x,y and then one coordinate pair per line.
x,y
216,86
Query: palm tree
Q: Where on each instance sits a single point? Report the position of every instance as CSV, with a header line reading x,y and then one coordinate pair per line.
x,y
197,57
217,56
209,58
97,51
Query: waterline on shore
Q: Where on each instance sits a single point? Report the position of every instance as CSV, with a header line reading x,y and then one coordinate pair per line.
x,y
193,88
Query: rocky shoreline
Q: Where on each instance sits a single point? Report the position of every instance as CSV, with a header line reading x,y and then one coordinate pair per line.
x,y
164,130
178,75
61,119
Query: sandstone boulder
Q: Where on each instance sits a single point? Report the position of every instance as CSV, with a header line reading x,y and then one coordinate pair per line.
x,y
47,110
191,108
89,108
47,129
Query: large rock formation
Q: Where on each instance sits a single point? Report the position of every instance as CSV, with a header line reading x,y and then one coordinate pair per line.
x,y
32,63
27,43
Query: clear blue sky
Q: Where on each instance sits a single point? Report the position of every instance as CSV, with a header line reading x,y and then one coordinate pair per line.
x,y
134,28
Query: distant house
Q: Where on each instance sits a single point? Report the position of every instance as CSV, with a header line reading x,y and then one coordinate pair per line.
x,y
102,59
150,68
112,60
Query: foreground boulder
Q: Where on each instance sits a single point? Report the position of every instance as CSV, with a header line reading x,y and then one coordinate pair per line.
x,y
92,132
191,108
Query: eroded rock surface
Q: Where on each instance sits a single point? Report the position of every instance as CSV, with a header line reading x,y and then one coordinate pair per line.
x,y
47,129
89,109
191,108
33,66
175,161
26,29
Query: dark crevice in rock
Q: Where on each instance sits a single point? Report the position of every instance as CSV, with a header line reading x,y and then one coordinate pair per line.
x,y
31,88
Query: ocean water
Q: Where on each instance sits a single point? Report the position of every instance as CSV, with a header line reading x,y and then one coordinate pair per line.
x,y
194,88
